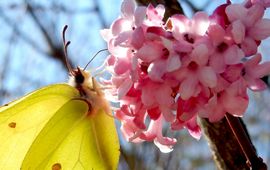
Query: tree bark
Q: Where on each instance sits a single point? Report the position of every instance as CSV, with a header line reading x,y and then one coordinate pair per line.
x,y
225,147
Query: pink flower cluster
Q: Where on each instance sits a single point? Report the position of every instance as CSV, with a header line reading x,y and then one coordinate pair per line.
x,y
177,70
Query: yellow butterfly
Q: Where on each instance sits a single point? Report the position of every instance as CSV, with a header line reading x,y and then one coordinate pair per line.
x,y
61,126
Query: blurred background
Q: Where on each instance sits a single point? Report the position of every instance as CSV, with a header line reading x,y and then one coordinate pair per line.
x,y
31,57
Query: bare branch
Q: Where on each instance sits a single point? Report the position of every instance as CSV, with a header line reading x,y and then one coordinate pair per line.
x,y
21,34
56,50
4,67
100,16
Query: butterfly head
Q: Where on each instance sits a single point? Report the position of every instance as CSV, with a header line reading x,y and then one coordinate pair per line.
x,y
79,77
87,86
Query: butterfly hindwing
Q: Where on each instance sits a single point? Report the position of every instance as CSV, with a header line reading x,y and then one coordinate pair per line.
x,y
22,120
54,134
87,142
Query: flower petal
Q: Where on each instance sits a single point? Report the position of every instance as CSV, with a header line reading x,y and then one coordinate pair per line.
x,y
233,102
173,63
140,15
182,46
154,113
137,38
179,23
200,23
187,87
121,25
200,54
118,51
260,30
252,62
261,70
235,105
121,66
217,62
163,95
139,119
236,11
165,148
265,3
238,31
127,8
124,88
233,55
193,128
167,113
186,108
249,46
156,70
217,114
255,12
255,84
221,84
122,37
155,15
216,33
233,72
106,34
147,95
165,144
207,77
150,51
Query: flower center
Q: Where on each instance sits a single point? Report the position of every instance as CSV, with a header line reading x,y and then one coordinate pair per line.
x,y
243,72
222,47
188,38
193,66
166,53
144,66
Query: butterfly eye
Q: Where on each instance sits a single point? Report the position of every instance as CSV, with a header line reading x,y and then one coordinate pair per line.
x,y
79,78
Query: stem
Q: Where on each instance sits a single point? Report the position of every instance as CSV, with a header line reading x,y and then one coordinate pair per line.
x,y
253,161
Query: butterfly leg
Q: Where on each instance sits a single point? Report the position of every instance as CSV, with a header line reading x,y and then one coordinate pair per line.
x,y
90,108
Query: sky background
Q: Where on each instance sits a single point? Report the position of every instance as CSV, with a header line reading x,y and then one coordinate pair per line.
x,y
26,65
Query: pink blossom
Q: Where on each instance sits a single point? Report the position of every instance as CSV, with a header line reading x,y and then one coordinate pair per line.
x,y
174,73
253,71
197,73
247,30
155,15
186,29
265,3
232,100
225,51
154,132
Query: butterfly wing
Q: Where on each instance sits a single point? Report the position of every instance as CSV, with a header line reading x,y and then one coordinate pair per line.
x,y
50,129
90,143
22,120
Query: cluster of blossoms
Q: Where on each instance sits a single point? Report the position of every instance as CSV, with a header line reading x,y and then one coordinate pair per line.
x,y
177,70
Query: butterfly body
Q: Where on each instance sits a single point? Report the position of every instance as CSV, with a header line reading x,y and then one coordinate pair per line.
x,y
89,90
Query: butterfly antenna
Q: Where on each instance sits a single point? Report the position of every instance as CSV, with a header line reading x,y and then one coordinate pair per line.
x,y
94,57
65,45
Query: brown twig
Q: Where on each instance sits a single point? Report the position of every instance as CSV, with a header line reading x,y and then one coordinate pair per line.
x,y
56,50
20,33
253,161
